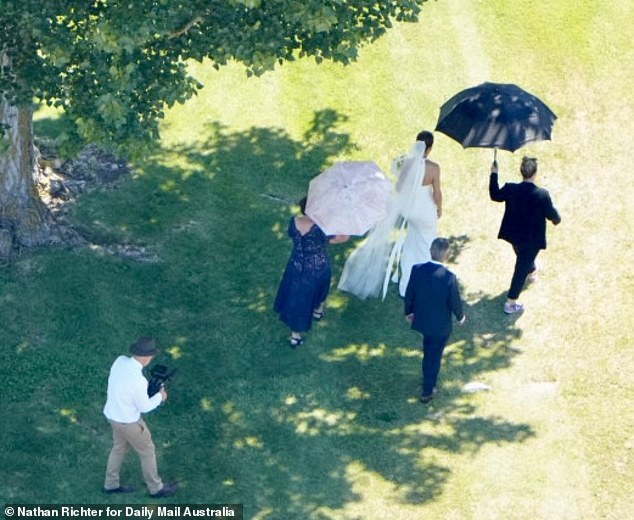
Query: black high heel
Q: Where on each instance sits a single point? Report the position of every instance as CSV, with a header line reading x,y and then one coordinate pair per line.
x,y
295,342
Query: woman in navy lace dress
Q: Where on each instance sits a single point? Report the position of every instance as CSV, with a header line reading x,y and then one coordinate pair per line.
x,y
306,280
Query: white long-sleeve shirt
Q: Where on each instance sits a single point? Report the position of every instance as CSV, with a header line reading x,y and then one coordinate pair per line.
x,y
127,392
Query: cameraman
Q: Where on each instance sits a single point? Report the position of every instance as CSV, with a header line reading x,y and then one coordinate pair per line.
x,y
127,400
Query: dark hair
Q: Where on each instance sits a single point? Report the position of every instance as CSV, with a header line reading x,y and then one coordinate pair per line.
x,y
427,137
302,205
528,167
439,248
144,346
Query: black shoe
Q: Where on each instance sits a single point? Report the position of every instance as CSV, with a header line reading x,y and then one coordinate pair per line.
x,y
295,341
120,489
426,398
318,315
166,491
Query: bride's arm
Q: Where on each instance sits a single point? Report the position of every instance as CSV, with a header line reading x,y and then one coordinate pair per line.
x,y
437,191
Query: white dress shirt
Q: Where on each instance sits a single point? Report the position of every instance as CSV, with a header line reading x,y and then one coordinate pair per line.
x,y
127,392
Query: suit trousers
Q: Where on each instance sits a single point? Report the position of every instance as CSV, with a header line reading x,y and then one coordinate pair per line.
x,y
433,347
138,437
524,265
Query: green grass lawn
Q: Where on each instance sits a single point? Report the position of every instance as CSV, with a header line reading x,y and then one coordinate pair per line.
x,y
333,430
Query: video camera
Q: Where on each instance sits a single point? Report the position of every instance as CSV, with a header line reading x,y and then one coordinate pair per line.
x,y
159,375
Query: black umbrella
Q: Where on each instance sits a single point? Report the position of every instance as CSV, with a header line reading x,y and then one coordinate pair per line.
x,y
495,115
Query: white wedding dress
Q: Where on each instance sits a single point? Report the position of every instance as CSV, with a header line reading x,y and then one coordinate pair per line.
x,y
420,231
401,239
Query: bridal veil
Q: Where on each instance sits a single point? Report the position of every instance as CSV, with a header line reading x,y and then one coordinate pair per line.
x,y
368,269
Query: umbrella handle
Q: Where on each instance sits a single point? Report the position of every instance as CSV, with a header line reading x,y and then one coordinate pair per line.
x,y
495,154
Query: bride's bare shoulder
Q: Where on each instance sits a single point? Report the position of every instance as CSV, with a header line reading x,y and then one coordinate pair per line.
x,y
433,165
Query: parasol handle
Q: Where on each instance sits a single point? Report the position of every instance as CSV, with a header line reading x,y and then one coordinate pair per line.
x,y
495,154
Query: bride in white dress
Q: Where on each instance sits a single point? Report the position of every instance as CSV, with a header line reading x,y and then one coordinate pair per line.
x,y
403,238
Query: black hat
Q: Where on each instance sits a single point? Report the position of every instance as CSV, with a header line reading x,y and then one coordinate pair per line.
x,y
144,346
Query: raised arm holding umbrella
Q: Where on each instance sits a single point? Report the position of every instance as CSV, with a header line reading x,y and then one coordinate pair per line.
x,y
527,207
496,115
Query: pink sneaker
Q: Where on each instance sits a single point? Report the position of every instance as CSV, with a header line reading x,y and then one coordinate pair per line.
x,y
512,308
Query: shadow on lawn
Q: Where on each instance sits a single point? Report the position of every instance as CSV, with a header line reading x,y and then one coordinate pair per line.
x,y
303,434
337,423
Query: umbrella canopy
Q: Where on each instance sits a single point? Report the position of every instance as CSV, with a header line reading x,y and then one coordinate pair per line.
x,y
348,198
495,115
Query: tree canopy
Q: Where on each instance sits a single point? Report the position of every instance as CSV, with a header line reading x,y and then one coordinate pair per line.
x,y
113,66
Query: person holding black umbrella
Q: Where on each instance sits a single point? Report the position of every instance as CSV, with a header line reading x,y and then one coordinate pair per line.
x,y
527,207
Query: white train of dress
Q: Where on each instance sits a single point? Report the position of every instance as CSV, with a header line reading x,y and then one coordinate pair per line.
x,y
401,239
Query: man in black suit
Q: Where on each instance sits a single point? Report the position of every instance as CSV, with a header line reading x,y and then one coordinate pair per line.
x,y
432,296
524,224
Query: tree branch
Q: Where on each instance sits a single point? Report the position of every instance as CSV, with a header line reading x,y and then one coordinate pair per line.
x,y
185,29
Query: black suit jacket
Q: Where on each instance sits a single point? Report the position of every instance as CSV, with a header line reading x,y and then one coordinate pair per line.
x,y
527,207
432,295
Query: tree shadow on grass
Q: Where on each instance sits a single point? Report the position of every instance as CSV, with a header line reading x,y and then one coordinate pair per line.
x,y
312,432
374,378
456,244
347,426
307,434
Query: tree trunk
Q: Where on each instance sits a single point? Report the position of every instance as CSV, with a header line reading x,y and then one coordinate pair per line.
x,y
23,216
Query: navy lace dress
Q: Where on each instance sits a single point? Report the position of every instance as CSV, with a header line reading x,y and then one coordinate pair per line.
x,y
306,279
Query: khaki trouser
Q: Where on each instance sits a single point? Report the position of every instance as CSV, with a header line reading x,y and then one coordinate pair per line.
x,y
135,435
